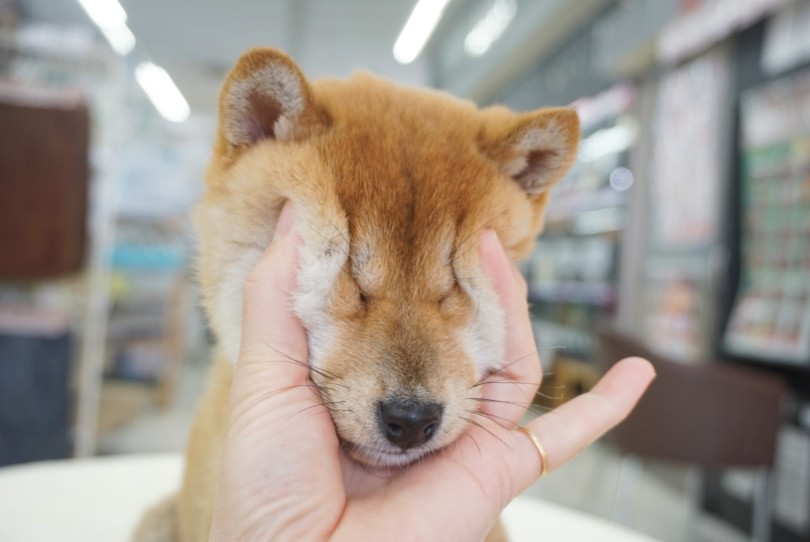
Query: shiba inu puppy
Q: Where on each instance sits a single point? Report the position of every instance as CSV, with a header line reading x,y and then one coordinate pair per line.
x,y
392,188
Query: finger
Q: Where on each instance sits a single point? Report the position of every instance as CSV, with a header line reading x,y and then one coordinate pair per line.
x,y
270,329
511,389
490,466
570,428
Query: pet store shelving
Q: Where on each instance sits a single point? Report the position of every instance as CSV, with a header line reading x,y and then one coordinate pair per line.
x,y
572,274
142,181
55,59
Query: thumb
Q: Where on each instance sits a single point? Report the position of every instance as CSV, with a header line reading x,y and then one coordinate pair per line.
x,y
270,329
267,466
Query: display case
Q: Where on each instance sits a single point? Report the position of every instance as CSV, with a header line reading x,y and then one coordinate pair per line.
x,y
686,256
770,319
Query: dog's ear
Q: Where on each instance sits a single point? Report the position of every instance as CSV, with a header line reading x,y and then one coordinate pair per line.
x,y
265,96
536,149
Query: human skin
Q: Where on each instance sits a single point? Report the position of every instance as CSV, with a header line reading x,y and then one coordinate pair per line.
x,y
285,477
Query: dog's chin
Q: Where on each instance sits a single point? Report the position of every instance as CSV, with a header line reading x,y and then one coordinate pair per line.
x,y
380,458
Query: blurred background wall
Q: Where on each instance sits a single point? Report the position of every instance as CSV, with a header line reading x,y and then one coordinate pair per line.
x,y
684,225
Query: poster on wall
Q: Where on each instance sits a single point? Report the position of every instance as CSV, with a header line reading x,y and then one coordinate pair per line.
x,y
689,180
688,153
771,315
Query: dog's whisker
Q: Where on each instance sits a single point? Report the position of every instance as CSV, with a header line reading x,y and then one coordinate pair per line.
x,y
266,395
325,411
515,382
475,277
529,406
472,238
501,371
477,424
475,442
501,401
510,424
557,397
317,370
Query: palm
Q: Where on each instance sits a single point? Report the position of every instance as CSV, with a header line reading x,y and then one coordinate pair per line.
x,y
284,474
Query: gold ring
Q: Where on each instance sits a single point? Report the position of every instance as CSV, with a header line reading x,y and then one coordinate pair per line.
x,y
540,450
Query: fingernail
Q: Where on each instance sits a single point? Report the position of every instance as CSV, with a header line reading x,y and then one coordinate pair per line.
x,y
285,221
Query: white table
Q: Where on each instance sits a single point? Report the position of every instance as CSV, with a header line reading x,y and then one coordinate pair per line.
x,y
101,499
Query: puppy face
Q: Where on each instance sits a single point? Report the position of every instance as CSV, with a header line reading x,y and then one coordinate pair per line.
x,y
392,188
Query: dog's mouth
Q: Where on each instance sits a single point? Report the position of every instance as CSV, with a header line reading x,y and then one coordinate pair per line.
x,y
382,457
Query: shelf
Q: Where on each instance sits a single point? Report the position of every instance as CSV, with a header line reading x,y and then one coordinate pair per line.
x,y
567,206
585,293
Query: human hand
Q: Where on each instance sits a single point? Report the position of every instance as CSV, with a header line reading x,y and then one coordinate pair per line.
x,y
284,476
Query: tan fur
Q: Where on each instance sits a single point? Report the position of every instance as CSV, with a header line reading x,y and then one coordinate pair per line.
x,y
392,187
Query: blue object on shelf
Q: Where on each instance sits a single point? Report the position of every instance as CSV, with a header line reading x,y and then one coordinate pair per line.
x,y
34,397
156,257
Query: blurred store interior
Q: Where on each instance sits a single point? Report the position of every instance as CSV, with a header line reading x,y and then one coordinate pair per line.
x,y
682,232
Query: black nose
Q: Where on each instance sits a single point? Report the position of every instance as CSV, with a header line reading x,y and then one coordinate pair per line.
x,y
408,422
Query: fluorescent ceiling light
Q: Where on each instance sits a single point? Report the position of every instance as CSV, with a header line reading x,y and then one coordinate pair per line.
x,y
111,19
415,34
490,27
121,39
162,91
105,13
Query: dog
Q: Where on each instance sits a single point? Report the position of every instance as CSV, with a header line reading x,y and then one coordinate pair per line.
x,y
392,188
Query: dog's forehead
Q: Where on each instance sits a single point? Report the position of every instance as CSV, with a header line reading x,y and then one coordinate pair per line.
x,y
410,179
406,166
385,130
376,259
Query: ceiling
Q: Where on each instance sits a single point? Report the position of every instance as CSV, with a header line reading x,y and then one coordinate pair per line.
x,y
196,41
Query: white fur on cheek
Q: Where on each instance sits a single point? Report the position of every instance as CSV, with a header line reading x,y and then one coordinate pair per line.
x,y
316,276
485,338
228,316
320,260
321,256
